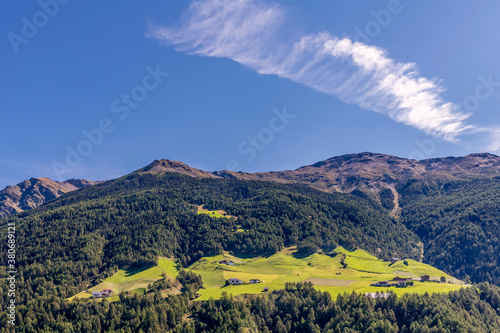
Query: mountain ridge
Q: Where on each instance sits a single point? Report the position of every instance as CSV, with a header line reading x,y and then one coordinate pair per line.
x,y
366,171
34,192
346,173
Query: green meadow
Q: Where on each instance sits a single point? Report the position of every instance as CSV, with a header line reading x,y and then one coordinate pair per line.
x,y
362,261
133,280
326,272
213,213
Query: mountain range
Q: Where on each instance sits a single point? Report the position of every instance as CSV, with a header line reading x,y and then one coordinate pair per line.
x,y
373,174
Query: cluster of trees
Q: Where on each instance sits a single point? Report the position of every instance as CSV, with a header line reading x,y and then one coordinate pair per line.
x,y
458,223
297,308
386,198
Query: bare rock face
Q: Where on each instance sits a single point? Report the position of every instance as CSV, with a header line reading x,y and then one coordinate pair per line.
x,y
34,192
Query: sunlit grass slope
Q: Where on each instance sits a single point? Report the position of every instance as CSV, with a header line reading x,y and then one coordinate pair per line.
x,y
326,272
133,280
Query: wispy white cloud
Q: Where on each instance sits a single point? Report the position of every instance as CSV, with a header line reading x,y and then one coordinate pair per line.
x,y
485,136
494,144
251,33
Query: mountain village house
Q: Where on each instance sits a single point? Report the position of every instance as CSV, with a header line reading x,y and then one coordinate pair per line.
x,y
381,284
238,281
103,293
397,282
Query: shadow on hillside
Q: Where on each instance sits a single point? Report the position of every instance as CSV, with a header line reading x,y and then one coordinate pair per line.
x,y
253,255
302,254
132,270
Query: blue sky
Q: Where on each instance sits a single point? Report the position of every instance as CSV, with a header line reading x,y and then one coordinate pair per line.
x,y
98,89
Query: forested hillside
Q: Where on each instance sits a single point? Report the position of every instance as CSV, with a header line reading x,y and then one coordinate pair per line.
x,y
87,235
449,204
459,223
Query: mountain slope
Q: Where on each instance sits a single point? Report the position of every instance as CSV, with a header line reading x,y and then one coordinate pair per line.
x,y
34,192
450,203
90,233
459,224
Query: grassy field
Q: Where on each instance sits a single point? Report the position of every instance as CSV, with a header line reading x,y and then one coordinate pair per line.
x,y
133,280
325,271
363,261
213,213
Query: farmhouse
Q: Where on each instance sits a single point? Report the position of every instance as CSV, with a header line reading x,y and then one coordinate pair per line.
x,y
255,281
381,284
397,282
235,281
102,293
226,262
425,278
266,289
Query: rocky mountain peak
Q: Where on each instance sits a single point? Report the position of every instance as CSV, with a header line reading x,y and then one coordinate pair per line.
x,y
34,192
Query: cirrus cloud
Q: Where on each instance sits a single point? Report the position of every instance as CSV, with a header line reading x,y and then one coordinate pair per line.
x,y
250,32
